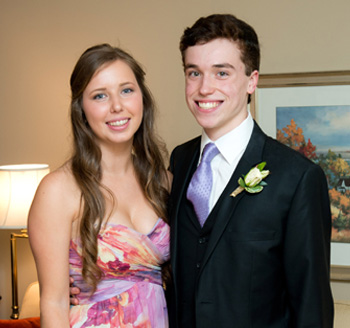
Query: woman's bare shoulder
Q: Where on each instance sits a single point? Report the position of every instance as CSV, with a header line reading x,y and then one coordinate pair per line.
x,y
60,186
55,207
61,178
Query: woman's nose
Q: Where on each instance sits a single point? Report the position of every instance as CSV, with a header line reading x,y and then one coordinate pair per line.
x,y
116,105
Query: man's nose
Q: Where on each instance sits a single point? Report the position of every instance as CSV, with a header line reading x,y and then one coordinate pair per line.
x,y
207,85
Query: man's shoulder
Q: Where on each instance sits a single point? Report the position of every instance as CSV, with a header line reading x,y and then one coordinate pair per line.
x,y
278,152
187,146
184,153
287,158
281,150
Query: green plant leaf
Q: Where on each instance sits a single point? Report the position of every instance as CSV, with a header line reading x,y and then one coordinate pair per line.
x,y
261,166
255,189
241,182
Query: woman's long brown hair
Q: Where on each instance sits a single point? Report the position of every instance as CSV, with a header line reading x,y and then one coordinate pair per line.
x,y
86,160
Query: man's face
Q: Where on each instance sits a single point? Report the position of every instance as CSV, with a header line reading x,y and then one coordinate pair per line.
x,y
217,87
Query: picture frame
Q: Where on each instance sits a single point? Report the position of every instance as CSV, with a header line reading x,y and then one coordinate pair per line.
x,y
311,89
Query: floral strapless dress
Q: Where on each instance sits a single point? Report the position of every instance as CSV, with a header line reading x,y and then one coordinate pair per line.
x,y
130,293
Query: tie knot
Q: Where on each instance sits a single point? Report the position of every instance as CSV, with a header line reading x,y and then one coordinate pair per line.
x,y
209,152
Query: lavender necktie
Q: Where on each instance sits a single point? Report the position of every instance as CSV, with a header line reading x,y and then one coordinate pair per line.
x,y
198,191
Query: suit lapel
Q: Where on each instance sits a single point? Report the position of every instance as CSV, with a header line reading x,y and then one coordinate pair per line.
x,y
225,207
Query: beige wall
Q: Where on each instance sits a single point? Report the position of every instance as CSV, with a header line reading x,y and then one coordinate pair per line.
x,y
41,41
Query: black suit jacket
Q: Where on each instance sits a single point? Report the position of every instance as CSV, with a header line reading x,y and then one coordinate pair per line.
x,y
267,260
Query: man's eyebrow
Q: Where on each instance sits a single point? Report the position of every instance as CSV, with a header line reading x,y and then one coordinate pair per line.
x,y
224,65
190,66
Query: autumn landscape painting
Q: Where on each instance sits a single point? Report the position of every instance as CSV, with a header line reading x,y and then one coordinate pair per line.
x,y
322,133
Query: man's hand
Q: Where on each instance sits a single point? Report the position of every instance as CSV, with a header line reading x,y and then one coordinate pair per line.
x,y
72,292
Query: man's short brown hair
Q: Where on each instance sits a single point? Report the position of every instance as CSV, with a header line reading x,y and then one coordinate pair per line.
x,y
224,26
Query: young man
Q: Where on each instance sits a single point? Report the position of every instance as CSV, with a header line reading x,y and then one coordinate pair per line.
x,y
260,259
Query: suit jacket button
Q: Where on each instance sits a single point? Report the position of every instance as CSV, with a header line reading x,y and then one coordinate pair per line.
x,y
198,265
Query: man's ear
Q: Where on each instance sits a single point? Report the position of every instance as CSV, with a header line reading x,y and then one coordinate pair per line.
x,y
253,82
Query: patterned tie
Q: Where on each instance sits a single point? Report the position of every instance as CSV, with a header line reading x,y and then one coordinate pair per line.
x,y
198,191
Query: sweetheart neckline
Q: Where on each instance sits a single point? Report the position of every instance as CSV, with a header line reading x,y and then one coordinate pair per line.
x,y
132,229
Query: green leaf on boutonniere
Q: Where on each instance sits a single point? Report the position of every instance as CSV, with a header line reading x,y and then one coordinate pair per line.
x,y
261,166
254,190
241,182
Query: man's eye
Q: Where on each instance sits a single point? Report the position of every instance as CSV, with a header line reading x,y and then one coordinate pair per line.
x,y
193,74
222,74
99,96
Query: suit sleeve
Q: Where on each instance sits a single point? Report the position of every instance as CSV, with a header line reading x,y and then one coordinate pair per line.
x,y
307,252
172,161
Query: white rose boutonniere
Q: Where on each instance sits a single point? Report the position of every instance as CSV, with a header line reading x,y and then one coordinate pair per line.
x,y
252,181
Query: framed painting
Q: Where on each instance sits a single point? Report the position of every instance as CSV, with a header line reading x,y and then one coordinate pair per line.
x,y
310,112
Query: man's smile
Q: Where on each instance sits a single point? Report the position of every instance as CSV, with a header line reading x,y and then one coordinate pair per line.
x,y
208,104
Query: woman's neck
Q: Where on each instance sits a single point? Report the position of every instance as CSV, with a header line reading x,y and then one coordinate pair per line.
x,y
117,160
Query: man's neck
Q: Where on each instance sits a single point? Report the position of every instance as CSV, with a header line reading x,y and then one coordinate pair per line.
x,y
208,135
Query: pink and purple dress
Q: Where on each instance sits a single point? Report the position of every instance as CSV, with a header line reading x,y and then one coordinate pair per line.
x,y
130,293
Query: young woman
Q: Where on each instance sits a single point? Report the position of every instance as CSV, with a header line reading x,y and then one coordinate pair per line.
x,y
101,217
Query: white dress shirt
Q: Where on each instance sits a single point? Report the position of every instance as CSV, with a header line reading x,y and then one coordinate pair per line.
x,y
231,146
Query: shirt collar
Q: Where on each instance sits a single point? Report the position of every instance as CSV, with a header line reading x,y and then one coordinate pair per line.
x,y
233,142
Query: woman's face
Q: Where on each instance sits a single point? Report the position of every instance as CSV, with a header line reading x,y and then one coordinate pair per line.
x,y
112,103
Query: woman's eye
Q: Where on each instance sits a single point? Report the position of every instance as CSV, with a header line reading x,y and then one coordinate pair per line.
x,y
127,91
99,96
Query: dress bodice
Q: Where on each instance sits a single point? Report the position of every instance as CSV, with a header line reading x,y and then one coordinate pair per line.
x,y
125,257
